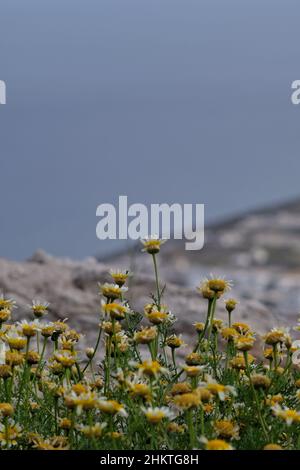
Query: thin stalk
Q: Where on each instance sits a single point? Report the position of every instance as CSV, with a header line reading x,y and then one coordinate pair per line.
x,y
213,309
202,334
191,428
156,281
174,360
95,350
260,417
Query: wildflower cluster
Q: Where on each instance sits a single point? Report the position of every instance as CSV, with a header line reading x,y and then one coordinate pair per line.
x,y
140,386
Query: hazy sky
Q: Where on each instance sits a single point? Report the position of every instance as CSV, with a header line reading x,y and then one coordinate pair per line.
x,y
161,100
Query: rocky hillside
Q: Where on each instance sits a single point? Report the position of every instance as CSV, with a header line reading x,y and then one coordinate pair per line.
x,y
71,288
259,251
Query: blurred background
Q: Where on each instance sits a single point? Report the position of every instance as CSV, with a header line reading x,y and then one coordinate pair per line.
x,y
164,100
185,101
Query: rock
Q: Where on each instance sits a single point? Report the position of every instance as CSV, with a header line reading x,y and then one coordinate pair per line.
x,y
71,289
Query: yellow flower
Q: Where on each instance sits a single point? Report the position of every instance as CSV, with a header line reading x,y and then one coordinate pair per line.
x,y
97,384
65,423
229,333
176,428
244,343
111,407
180,388
55,367
139,390
47,330
89,352
238,362
5,371
65,358
110,329
204,394
60,327
6,304
206,292
208,408
216,444
116,310
276,335
199,326
230,305
151,368
217,325
146,335
186,401
71,336
95,430
14,358
112,291
260,381
10,433
193,371
273,447
6,409
220,390
242,328
288,415
157,317
28,329
272,400
15,340
297,383
5,315
53,443
84,401
193,359
80,388
174,341
217,284
226,429
152,244
34,406
119,277
32,357
156,415
39,309
269,353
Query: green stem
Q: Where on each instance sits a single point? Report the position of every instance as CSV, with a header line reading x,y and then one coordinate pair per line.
x,y
174,360
107,366
41,356
156,281
213,309
202,334
260,417
191,428
95,350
